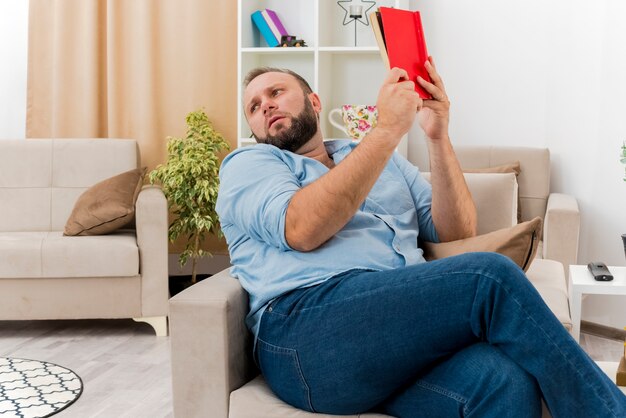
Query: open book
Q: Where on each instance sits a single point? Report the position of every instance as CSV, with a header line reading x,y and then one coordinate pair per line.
x,y
402,44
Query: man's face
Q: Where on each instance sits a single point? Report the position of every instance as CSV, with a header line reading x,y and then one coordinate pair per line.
x,y
278,111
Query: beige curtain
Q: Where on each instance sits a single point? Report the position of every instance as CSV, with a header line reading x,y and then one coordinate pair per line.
x,y
131,69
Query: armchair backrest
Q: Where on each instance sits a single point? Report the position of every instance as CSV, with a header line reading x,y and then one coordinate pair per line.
x,y
495,197
533,180
534,177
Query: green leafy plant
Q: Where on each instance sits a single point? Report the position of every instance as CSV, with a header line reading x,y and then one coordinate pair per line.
x,y
190,182
623,157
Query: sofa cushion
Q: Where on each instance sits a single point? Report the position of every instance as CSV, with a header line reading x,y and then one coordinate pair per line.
x,y
495,197
25,178
50,254
79,164
20,254
85,162
24,209
255,399
519,243
534,178
113,255
513,167
35,173
107,205
25,163
548,277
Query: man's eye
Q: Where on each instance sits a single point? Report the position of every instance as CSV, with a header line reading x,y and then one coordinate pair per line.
x,y
253,108
276,91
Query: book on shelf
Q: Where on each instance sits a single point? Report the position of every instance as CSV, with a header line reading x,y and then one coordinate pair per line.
x,y
400,37
274,23
266,31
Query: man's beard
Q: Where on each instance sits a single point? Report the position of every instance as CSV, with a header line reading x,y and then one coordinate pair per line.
x,y
302,129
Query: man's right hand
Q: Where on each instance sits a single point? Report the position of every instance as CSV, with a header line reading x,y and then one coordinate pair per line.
x,y
397,105
320,209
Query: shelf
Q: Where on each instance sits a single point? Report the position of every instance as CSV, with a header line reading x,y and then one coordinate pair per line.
x,y
305,50
333,32
278,50
349,49
338,71
297,16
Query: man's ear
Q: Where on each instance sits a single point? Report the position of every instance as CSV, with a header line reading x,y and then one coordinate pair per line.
x,y
316,102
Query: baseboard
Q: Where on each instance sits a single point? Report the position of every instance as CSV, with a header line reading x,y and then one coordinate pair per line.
x,y
603,331
206,265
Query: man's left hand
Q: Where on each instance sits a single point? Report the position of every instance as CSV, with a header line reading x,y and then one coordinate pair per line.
x,y
434,113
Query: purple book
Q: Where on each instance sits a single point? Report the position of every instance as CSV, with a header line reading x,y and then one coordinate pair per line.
x,y
277,22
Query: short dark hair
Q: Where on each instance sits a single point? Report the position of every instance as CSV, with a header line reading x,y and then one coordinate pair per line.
x,y
255,72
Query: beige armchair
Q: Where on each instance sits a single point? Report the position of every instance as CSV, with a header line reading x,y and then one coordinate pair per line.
x,y
559,211
45,275
212,371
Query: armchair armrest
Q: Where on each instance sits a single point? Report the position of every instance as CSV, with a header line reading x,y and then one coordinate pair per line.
x,y
151,223
210,346
561,230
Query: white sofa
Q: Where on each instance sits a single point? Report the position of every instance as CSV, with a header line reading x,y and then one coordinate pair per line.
x,y
45,275
212,371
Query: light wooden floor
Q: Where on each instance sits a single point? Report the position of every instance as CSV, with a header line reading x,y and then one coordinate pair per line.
x,y
602,349
126,369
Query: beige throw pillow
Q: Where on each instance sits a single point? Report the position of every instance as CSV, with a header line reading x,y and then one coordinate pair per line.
x,y
513,167
107,205
518,242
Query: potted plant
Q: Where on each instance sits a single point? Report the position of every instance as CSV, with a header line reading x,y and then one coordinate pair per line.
x,y
190,182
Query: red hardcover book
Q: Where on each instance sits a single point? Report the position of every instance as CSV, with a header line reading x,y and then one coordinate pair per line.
x,y
406,44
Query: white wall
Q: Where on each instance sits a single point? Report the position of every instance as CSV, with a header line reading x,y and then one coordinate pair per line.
x,y
535,73
13,48
545,74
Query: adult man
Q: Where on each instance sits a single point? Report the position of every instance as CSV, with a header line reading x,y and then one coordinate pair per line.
x,y
347,315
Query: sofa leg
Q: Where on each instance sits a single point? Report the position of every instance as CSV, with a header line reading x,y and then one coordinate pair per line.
x,y
159,323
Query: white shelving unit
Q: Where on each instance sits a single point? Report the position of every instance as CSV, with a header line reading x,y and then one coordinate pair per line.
x,y
338,71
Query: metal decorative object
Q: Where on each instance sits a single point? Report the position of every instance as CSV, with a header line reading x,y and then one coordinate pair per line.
x,y
355,13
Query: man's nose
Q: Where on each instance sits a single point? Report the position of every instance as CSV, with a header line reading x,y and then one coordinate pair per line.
x,y
267,106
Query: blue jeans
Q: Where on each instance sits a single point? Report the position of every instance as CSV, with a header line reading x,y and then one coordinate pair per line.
x,y
464,336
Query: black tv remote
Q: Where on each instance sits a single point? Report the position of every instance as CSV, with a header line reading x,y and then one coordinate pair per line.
x,y
600,271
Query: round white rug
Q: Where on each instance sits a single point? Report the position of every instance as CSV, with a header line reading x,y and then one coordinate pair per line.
x,y
33,389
